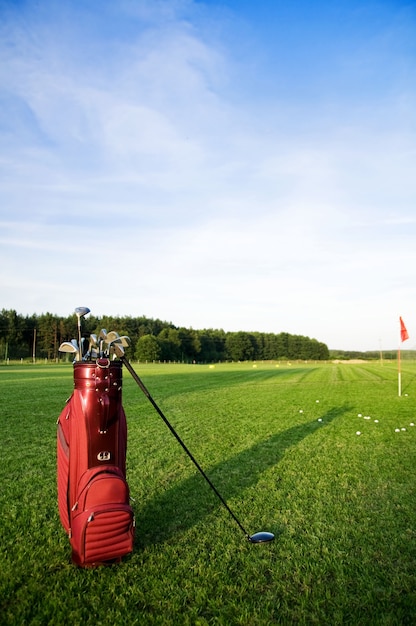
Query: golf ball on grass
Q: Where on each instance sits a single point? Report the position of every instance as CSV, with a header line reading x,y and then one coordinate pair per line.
x,y
358,432
319,419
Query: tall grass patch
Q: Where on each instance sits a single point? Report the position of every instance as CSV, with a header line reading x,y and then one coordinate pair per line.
x,y
280,444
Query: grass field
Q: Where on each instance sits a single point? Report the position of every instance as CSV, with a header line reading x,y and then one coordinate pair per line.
x,y
342,505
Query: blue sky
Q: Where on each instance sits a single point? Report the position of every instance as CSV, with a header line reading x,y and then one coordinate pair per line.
x,y
239,165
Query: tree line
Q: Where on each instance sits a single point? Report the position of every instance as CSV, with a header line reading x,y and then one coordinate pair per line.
x,y
39,337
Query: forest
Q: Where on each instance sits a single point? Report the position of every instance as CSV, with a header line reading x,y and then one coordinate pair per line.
x,y
39,337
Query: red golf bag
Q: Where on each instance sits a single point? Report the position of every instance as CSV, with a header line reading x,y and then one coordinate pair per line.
x,y
93,494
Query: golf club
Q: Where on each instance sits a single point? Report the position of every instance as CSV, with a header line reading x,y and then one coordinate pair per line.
x,y
80,311
111,337
76,346
122,342
91,346
260,537
102,337
125,341
68,346
115,353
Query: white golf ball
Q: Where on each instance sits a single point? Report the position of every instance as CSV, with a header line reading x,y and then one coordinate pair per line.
x,y
376,421
319,419
403,429
300,411
360,415
358,432
397,430
411,424
317,401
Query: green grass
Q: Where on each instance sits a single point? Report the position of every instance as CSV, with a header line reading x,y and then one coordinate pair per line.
x,y
342,506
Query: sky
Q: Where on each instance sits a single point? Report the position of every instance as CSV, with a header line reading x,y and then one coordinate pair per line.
x,y
223,164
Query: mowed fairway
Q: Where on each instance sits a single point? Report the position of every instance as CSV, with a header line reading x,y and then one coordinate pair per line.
x,y
342,506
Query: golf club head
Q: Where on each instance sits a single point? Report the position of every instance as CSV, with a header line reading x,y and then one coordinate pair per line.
x,y
93,340
125,341
84,348
261,537
118,349
76,349
102,337
111,336
67,346
80,311
112,351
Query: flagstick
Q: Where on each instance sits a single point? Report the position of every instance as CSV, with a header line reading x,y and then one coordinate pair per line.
x,y
404,335
399,373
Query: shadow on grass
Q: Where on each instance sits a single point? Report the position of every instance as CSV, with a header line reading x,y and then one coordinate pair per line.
x,y
188,502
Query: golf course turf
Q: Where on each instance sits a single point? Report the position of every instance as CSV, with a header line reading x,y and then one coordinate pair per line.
x,y
279,441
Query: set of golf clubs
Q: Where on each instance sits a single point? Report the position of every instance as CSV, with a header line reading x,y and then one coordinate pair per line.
x,y
98,347
111,344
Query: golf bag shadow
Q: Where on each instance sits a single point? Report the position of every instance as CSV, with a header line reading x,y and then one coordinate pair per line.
x,y
93,494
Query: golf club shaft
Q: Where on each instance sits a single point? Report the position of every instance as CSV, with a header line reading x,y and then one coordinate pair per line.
x,y
175,434
79,338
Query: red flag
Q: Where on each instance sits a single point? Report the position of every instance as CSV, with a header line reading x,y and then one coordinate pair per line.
x,y
403,331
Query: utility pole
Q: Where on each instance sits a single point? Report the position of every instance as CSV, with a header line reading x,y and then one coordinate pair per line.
x,y
34,346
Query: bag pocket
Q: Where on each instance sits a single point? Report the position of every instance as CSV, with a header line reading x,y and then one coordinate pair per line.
x,y
102,536
102,521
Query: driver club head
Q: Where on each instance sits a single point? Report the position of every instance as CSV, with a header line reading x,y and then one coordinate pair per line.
x,y
80,311
261,537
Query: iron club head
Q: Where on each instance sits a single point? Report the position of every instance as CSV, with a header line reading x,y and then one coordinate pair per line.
x,y
91,347
125,341
102,338
68,346
111,336
118,349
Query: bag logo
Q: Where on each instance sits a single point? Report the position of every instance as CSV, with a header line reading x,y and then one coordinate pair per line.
x,y
104,456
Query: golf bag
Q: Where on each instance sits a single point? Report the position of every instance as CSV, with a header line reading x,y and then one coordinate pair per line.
x,y
93,494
